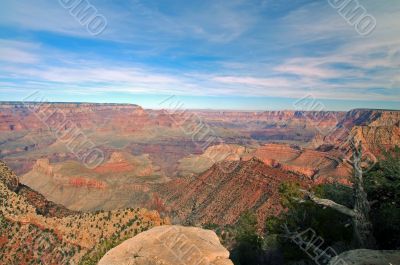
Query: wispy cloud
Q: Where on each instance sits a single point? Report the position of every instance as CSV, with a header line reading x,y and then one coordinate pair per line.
x,y
17,52
220,48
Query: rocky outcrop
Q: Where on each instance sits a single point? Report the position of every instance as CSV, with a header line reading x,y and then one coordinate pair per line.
x,y
196,164
43,166
170,245
120,182
317,165
367,257
222,193
116,164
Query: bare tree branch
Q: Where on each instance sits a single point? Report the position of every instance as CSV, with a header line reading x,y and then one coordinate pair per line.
x,y
331,204
362,225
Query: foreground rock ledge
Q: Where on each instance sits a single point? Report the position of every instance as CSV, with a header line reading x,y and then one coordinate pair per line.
x,y
170,245
367,257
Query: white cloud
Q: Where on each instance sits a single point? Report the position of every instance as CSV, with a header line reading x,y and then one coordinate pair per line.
x,y
253,81
18,52
16,56
297,54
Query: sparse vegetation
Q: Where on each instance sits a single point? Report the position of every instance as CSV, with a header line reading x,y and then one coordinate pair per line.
x,y
27,236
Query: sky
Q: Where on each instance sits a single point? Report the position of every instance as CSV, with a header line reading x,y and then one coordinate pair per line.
x,y
230,54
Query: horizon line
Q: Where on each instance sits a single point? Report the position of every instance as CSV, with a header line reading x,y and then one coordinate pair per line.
x,y
190,109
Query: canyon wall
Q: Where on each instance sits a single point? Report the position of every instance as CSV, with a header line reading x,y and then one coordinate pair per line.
x,y
147,152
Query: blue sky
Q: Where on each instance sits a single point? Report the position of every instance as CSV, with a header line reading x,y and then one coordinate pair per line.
x,y
236,54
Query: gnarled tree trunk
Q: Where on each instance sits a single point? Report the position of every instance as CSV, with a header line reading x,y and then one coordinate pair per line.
x,y
361,222
362,225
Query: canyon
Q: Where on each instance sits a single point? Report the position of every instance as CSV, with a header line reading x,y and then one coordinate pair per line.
x,y
169,160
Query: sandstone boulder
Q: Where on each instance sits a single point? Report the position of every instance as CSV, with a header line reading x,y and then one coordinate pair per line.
x,y
367,257
170,245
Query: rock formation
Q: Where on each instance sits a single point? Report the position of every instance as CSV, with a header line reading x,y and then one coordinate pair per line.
x,y
144,149
313,164
114,184
220,196
170,245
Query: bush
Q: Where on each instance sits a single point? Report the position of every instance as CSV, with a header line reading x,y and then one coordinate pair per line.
x,y
248,249
333,227
383,188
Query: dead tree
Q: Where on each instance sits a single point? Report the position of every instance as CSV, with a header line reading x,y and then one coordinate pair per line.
x,y
362,225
